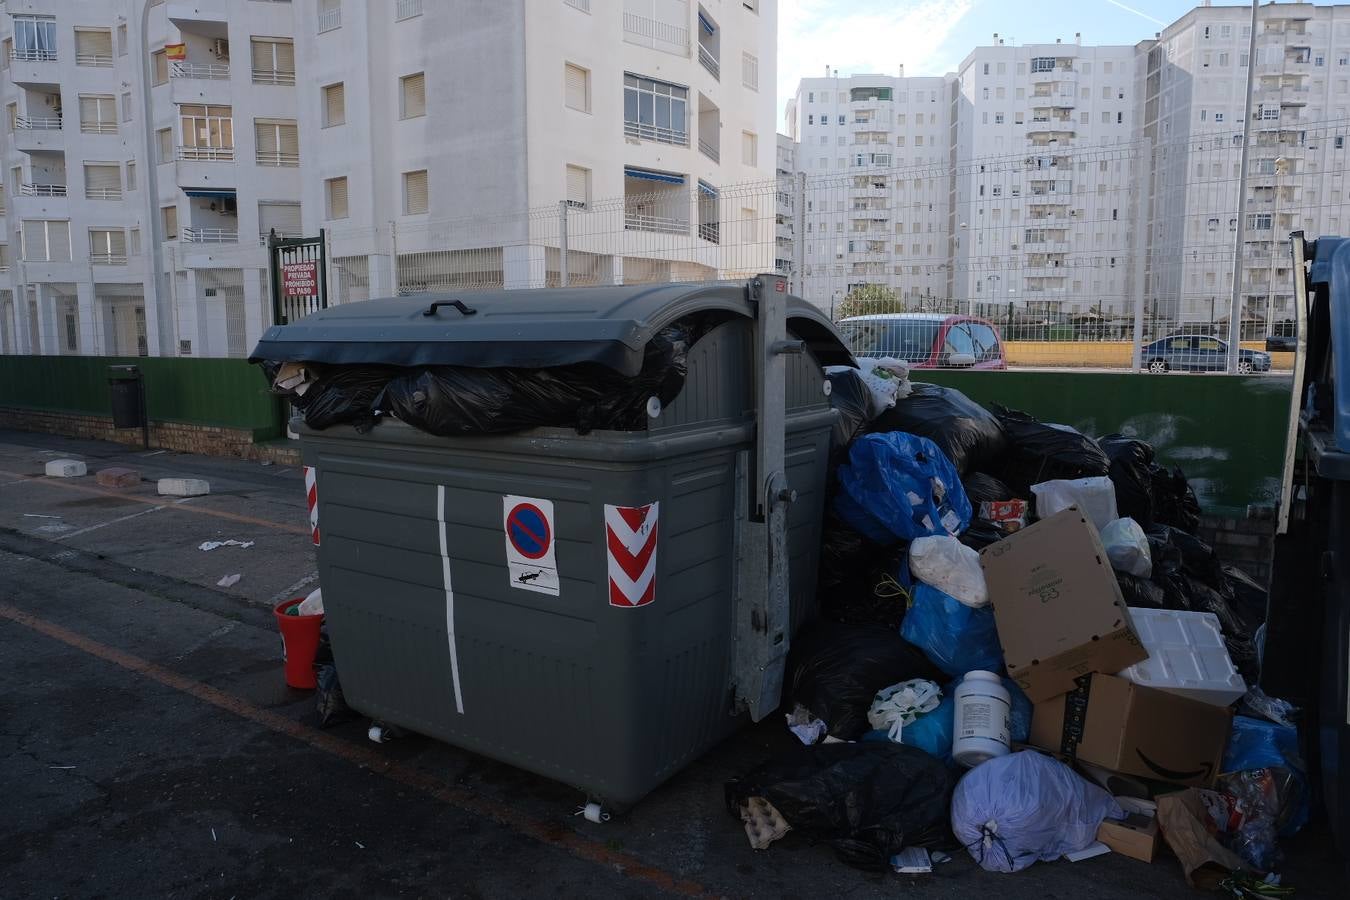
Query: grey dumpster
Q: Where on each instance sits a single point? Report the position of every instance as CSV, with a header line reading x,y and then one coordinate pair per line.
x,y
600,608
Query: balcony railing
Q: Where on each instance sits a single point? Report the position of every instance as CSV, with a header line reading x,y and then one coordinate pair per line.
x,y
38,123
93,59
208,71
42,190
273,76
709,62
406,9
638,221
106,193
709,150
108,259
648,32
710,232
206,153
32,55
277,158
330,18
281,233
583,5
98,127
209,236
647,132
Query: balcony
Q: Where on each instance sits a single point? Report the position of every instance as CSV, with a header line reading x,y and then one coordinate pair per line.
x,y
206,71
709,62
208,154
277,158
192,235
34,69
37,135
653,33
634,220
329,18
645,132
273,76
107,259
709,150
42,190
32,55
97,60
38,123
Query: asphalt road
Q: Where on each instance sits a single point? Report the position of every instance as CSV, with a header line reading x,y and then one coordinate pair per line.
x,y
148,745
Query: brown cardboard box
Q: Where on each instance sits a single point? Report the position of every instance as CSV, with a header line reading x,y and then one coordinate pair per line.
x,y
1136,730
1137,835
1057,605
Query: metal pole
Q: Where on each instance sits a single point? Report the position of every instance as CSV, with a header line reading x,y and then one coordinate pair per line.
x,y
150,173
562,243
393,257
1235,306
799,236
1141,233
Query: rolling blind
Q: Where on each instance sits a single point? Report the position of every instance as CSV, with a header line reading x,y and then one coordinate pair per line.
x,y
284,217
574,79
578,185
46,240
415,95
107,242
415,192
170,222
337,198
93,45
335,105
102,178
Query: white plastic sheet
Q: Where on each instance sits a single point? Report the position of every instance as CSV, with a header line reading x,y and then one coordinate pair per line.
x,y
1095,497
950,566
1127,547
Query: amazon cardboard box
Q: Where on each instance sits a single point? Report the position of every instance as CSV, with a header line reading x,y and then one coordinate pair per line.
x,y
1136,730
1057,605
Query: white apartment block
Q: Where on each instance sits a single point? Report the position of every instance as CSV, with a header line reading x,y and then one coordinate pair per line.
x,y
151,146
1194,79
874,212
785,208
147,146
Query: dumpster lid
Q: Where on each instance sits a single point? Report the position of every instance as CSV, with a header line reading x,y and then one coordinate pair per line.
x,y
534,328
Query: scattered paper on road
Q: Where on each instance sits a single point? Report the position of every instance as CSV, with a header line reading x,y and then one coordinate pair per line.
x,y
211,545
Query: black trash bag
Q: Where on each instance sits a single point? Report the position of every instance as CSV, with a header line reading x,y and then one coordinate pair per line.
x,y
850,395
981,533
1198,559
868,800
1132,475
872,595
1141,591
1249,597
1038,452
836,671
458,400
968,433
981,488
1174,501
343,395
328,700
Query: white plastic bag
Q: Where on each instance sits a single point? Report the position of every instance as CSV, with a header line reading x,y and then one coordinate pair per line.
x,y
888,380
1095,497
1013,810
900,704
950,566
313,604
1127,547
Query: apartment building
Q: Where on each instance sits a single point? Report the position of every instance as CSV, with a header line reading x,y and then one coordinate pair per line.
x,y
785,209
436,130
1042,214
874,212
148,147
1194,80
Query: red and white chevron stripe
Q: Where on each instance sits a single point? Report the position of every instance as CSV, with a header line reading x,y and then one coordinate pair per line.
x,y
630,537
312,497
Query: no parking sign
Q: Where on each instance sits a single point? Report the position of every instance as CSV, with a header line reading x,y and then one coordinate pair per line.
x,y
527,523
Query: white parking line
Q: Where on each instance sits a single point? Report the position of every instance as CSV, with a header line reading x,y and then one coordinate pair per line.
x,y
289,593
144,512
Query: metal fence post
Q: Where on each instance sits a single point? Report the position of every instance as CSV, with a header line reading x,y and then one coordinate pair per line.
x,y
562,243
799,237
393,257
1143,182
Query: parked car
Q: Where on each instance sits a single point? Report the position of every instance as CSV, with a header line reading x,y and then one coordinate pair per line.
x,y
1281,342
1198,353
926,340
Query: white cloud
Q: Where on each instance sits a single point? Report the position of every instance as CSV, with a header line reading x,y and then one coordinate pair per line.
x,y
859,36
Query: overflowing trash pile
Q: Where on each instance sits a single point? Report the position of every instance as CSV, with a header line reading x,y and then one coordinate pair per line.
x,y
1024,652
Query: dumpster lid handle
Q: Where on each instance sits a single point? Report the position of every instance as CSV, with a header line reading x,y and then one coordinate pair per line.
x,y
457,304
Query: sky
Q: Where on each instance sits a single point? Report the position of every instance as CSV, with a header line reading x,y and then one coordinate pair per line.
x,y
931,37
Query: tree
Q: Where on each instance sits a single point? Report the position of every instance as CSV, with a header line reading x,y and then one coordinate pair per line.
x,y
868,299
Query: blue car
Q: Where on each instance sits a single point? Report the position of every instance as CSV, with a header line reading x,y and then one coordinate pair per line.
x,y
1198,353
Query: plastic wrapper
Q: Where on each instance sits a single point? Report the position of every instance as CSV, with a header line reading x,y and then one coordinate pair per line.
x,y
1095,498
1127,547
1038,452
1013,810
948,565
868,800
1246,808
900,704
851,398
964,430
982,488
1005,515
898,486
1258,744
1249,597
957,638
329,702
836,671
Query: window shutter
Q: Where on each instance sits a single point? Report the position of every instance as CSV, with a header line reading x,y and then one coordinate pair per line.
x,y
170,222
58,241
335,105
2,197
289,138
578,186
88,110
161,65
284,217
750,71
34,235
135,242
102,181
108,242
93,48
262,55
4,256
575,78
131,174
285,57
749,149
415,95
165,145
337,198
415,193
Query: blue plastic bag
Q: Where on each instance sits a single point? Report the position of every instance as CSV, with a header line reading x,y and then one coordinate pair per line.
x,y
932,732
1258,744
955,637
897,487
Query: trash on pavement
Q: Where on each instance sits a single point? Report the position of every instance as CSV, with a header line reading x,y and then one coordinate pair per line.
x,y
982,727
956,637
868,800
967,433
852,399
1256,745
1186,827
300,637
212,545
312,605
1134,730
1094,497
897,487
900,704
950,566
1186,656
329,701
912,861
763,823
1127,547
1014,810
229,580
1136,835
1058,607
803,723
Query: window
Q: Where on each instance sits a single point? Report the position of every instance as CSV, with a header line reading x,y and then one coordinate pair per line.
x,y
1259,221
98,114
1225,31
159,62
810,120
330,15
335,192
273,60
1019,118
277,142
93,47
1223,59
6,51
655,110
1218,117
164,138
206,132
35,41
750,71
279,216
102,181
107,246
576,88
998,118
407,9
1269,112
1106,118
1340,142
749,148
578,186
334,105
131,175
121,40
415,193
170,216
1106,93
45,240
126,106
1043,64
412,96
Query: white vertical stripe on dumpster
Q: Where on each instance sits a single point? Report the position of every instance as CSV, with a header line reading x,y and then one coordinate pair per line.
x,y
449,598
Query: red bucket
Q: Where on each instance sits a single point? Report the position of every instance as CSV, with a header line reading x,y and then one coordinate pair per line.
x,y
299,643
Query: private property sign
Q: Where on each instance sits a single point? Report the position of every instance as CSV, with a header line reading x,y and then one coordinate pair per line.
x,y
300,279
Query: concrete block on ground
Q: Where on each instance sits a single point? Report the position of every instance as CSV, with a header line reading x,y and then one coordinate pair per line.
x,y
184,487
118,477
66,468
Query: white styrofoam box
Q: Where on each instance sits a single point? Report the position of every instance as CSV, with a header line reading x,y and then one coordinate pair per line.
x,y
1186,656
66,468
184,487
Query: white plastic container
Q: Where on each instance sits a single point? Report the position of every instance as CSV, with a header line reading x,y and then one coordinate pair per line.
x,y
1186,656
983,719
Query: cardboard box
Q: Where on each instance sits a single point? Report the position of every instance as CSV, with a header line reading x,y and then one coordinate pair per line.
x,y
1136,730
1137,835
1057,605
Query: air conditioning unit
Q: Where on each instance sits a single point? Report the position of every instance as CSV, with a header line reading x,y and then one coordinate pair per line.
x,y
220,48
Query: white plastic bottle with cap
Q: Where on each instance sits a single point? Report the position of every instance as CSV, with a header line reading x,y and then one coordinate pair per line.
x,y
983,719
